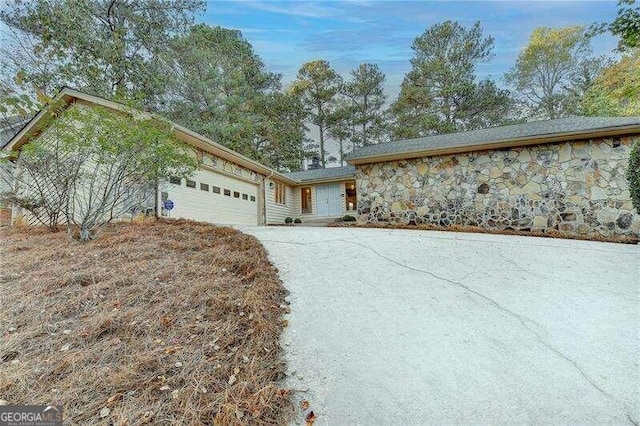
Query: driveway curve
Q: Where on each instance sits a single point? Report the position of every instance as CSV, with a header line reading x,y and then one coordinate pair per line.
x,y
420,327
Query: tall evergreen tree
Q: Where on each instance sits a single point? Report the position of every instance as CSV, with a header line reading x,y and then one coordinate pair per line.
x,y
440,94
105,47
318,85
366,94
341,127
217,85
281,139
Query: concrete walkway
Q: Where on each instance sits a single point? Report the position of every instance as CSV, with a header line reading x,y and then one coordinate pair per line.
x,y
415,327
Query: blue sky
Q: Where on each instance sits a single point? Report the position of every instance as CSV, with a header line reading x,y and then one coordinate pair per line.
x,y
346,33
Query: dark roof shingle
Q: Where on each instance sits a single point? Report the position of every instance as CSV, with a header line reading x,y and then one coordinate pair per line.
x,y
321,174
465,141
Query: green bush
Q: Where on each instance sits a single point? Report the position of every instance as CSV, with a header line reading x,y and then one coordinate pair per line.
x,y
348,218
297,220
633,175
288,220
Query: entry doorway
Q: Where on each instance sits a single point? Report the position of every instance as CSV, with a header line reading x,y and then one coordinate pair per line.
x,y
329,200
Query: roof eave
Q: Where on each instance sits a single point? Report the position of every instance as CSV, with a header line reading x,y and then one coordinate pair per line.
x,y
200,141
505,143
325,180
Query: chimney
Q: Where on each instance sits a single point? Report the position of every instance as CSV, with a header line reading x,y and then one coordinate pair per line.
x,y
315,164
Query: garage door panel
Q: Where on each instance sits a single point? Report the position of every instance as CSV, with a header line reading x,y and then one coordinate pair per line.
x,y
203,204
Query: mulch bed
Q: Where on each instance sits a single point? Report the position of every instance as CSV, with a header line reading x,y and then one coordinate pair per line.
x,y
163,322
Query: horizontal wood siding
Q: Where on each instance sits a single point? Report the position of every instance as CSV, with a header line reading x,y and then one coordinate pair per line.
x,y
276,213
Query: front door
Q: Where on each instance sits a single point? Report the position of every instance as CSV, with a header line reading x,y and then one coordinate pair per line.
x,y
329,200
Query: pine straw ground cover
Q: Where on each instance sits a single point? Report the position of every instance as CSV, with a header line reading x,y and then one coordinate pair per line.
x,y
164,322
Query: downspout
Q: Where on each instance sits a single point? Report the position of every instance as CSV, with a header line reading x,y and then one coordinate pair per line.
x,y
264,198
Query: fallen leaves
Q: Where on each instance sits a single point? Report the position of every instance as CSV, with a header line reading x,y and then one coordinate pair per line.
x,y
172,349
310,418
184,333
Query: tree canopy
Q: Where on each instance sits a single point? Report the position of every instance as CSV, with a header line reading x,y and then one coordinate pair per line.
x,y
366,99
441,93
106,47
553,71
616,91
318,85
210,79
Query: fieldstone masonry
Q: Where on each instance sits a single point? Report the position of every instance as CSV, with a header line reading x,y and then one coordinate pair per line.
x,y
575,188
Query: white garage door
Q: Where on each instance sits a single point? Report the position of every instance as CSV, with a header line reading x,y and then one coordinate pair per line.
x,y
211,197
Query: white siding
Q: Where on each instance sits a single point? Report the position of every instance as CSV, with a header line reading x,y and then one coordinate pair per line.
x,y
207,206
6,173
276,213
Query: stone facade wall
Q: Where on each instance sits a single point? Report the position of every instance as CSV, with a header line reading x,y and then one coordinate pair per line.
x,y
576,187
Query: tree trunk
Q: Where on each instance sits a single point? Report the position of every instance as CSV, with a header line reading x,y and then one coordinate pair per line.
x,y
85,234
322,146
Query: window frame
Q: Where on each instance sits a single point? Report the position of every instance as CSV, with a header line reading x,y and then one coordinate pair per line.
x,y
306,202
280,194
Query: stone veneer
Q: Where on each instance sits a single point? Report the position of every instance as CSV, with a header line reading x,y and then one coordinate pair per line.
x,y
575,187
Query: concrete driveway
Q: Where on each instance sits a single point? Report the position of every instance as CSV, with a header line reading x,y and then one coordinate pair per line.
x,y
415,327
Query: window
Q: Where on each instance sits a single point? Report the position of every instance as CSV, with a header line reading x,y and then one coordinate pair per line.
x,y
236,194
175,180
227,193
253,198
245,197
191,183
215,189
350,198
280,193
204,186
305,197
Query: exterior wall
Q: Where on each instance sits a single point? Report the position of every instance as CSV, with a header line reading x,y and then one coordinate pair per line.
x,y
6,133
202,204
276,213
194,203
577,188
5,209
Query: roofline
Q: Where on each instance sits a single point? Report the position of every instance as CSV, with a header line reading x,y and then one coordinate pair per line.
x,y
627,129
325,180
187,136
